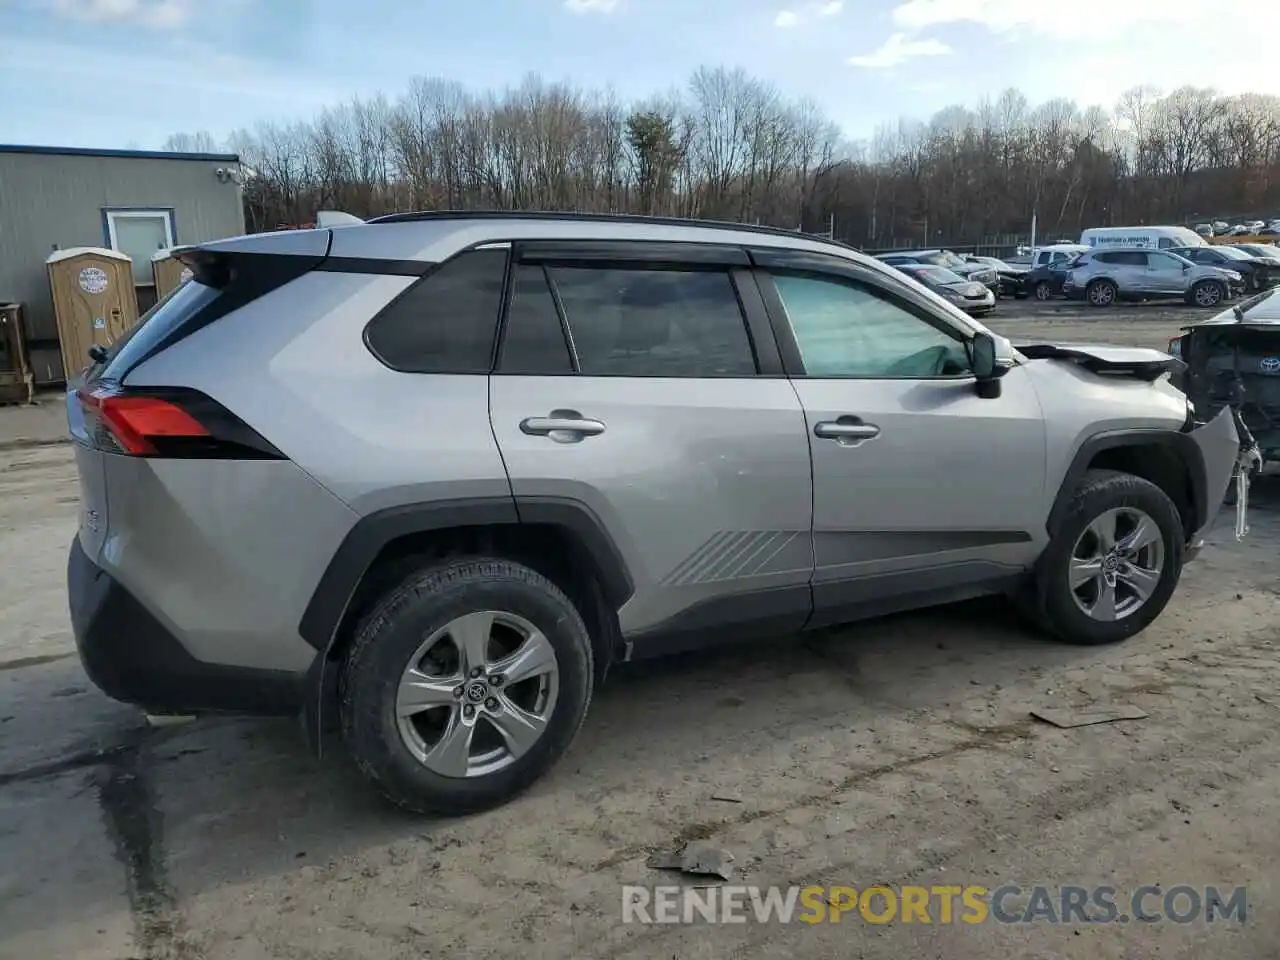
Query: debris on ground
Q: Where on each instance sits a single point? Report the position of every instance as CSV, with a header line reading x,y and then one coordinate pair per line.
x,y
1067,718
726,797
696,859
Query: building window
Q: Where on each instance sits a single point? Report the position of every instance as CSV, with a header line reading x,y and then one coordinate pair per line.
x,y
139,233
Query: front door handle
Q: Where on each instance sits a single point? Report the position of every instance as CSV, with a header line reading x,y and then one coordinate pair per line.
x,y
848,430
563,426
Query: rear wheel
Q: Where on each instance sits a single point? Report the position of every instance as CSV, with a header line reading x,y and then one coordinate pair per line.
x,y
1102,293
1043,290
1114,562
465,684
1208,293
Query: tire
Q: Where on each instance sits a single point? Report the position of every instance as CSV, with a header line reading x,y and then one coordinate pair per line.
x,y
1060,609
399,633
1207,293
1043,290
1102,293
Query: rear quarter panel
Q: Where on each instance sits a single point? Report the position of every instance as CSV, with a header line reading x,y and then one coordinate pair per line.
x,y
294,366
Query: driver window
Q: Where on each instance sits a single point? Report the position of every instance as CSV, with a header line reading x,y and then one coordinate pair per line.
x,y
849,330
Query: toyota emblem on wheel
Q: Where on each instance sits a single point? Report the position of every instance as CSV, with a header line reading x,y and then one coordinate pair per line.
x,y
1270,364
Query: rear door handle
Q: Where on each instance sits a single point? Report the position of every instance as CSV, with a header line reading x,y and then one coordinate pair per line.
x,y
848,430
563,426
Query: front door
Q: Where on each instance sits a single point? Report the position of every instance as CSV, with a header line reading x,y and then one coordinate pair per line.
x,y
1165,274
630,381
921,487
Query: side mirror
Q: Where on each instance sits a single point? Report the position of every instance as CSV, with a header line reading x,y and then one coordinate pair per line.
x,y
1186,267
988,363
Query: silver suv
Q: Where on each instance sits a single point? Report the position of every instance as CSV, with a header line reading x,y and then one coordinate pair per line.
x,y
425,479
1104,276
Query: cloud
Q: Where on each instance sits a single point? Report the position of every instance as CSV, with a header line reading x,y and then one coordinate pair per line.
x,y
793,18
897,50
155,14
1005,16
591,6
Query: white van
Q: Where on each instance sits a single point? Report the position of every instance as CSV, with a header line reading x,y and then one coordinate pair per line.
x,y
1157,238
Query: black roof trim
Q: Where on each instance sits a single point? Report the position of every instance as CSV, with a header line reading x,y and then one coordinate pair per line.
x,y
128,154
428,215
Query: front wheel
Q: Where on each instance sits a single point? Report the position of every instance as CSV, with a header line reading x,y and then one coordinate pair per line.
x,y
465,684
1208,293
1102,293
1113,563
1043,290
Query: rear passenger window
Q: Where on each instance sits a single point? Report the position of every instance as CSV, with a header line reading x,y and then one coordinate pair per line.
x,y
654,323
534,340
445,323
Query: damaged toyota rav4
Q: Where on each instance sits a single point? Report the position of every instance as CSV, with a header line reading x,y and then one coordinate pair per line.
x,y
423,480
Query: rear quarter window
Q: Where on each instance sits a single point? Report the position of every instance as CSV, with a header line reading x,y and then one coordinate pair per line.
x,y
446,322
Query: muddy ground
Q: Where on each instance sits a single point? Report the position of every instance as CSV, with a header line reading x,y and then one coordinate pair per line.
x,y
897,752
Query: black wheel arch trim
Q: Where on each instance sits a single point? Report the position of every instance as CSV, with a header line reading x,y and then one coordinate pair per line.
x,y
1179,443
366,539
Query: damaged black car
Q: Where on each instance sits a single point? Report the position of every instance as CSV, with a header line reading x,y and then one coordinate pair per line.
x,y
1234,359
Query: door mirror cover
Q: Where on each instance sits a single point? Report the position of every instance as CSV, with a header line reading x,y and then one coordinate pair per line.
x,y
983,352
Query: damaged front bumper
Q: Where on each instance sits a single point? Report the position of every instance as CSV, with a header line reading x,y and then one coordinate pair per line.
x,y
1226,453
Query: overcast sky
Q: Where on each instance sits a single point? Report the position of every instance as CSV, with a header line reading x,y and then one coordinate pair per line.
x,y
110,73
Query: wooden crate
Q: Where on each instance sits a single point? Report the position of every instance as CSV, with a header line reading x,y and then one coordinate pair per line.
x,y
16,382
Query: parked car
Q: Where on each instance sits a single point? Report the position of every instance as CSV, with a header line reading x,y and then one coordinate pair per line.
x,y
1156,238
429,477
1265,251
944,258
1012,277
1045,282
1104,276
1234,357
1258,273
969,295
1056,253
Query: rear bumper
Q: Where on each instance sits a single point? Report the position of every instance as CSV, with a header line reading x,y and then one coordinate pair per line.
x,y
132,657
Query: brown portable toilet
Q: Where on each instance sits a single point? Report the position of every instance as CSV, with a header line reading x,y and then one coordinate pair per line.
x,y
94,301
169,274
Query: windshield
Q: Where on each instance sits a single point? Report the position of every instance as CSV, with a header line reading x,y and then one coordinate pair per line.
x,y
1231,253
154,326
1257,250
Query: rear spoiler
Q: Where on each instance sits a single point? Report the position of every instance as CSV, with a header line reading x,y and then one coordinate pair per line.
x,y
290,251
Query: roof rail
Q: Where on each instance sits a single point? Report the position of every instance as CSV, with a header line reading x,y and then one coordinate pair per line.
x,y
428,215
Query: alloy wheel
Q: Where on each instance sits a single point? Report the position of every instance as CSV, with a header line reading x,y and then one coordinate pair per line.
x,y
1208,294
1116,564
477,694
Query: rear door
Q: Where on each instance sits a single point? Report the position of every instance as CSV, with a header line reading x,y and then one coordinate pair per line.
x,y
642,381
921,487
1128,268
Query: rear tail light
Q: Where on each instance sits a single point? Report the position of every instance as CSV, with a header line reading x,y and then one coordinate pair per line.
x,y
170,423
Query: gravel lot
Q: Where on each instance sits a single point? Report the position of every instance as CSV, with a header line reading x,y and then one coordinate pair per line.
x,y
898,752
